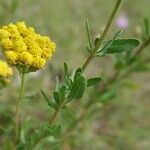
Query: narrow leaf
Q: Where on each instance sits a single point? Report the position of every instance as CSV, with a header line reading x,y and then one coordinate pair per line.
x,y
62,91
88,34
46,98
65,68
56,97
93,81
50,103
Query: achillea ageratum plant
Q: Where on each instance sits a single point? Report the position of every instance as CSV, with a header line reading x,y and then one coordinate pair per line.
x,y
5,73
28,52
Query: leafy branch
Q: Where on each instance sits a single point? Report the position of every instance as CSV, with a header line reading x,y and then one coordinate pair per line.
x,y
103,89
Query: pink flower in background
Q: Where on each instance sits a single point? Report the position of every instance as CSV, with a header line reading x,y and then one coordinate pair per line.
x,y
122,22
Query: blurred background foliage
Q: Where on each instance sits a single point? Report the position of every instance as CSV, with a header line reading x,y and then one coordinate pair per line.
x,y
123,124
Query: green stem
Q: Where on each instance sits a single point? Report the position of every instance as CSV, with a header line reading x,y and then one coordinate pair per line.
x,y
52,119
97,46
22,76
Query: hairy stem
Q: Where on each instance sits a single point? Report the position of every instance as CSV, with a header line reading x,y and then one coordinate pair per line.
x,y
22,76
98,44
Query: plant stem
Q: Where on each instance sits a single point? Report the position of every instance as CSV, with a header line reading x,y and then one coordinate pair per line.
x,y
98,44
52,119
22,76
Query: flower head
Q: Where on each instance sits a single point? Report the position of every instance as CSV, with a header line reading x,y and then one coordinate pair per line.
x,y
5,73
24,48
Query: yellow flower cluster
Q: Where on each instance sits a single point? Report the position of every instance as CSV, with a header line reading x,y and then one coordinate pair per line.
x,y
24,48
5,73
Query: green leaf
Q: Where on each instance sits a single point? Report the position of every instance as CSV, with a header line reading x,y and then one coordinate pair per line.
x,y
65,68
53,105
56,97
108,43
88,34
78,87
118,46
45,97
93,81
62,92
78,71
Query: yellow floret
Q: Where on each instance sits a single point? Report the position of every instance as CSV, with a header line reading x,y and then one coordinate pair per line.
x,y
30,31
29,40
20,46
46,54
25,58
21,26
4,34
35,50
12,29
38,63
43,41
5,73
6,44
11,57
